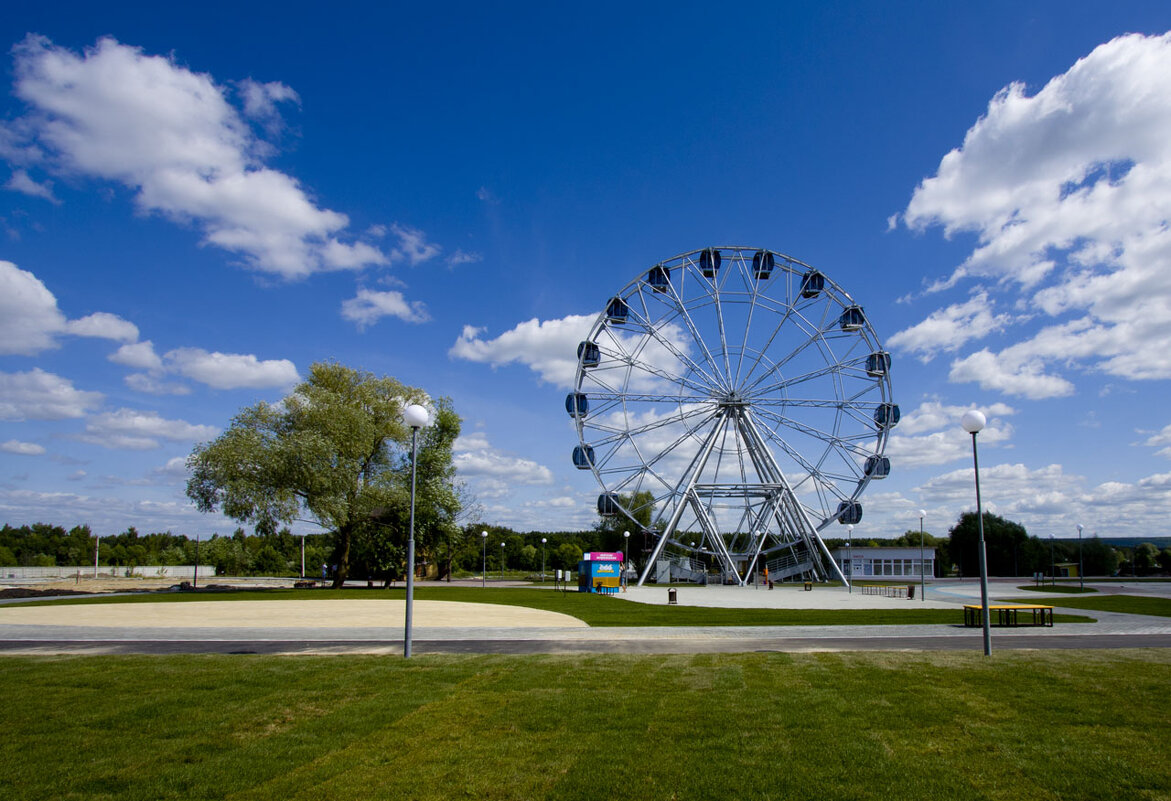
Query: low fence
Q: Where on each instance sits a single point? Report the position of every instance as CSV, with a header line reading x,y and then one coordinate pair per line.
x,y
106,571
901,591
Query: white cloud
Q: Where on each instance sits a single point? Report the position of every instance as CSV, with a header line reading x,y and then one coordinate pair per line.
x,y
128,429
1163,438
462,257
369,306
1025,378
171,135
29,317
413,245
37,395
151,384
21,182
549,348
22,448
947,329
497,466
931,434
231,370
1069,193
137,354
260,101
30,321
103,325
174,470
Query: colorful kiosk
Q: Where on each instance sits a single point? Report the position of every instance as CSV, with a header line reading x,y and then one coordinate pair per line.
x,y
600,571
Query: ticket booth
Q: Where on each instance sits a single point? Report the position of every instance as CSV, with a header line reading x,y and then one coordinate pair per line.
x,y
600,571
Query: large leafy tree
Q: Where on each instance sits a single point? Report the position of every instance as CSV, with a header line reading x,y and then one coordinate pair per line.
x,y
1009,549
335,452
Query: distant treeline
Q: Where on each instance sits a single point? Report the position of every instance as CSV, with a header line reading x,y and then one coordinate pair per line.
x,y
1010,550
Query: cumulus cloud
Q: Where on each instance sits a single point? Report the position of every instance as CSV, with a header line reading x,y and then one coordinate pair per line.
x,y
137,354
549,348
231,370
29,317
1068,193
22,448
103,325
30,321
38,395
931,434
949,328
21,182
500,467
129,429
369,306
172,136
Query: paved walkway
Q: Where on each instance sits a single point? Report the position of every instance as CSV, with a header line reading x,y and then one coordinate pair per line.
x,y
375,626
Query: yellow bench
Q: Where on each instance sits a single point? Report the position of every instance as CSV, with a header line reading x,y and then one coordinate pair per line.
x,y
1007,614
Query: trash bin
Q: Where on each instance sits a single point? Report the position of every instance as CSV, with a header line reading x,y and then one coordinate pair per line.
x,y
808,586
671,596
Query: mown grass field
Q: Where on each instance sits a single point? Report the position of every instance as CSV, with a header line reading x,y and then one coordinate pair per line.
x,y
595,610
1040,725
1130,604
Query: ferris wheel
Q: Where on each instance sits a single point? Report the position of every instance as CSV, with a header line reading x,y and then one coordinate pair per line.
x,y
733,403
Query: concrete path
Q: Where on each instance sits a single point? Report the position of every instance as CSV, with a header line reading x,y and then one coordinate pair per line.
x,y
375,626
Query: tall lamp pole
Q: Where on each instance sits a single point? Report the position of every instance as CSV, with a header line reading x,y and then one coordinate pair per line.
x,y
484,569
543,541
502,561
1081,570
626,546
416,417
973,422
850,557
922,564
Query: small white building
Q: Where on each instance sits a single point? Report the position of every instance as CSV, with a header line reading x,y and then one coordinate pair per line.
x,y
863,562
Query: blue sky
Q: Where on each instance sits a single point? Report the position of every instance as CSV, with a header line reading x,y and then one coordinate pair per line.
x,y
200,203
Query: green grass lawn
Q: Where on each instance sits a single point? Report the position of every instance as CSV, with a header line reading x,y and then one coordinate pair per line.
x,y
1131,604
595,610
1026,725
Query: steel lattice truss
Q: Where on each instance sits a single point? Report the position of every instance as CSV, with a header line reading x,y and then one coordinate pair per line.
x,y
740,401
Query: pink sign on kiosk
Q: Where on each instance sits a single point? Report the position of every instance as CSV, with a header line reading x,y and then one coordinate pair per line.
x,y
602,556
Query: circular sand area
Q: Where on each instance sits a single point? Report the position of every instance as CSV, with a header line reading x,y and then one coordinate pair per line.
x,y
286,614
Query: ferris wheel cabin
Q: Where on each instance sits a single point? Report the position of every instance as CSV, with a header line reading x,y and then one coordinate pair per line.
x,y
877,467
887,415
852,319
583,457
877,364
811,284
763,263
577,404
709,262
589,353
659,278
849,512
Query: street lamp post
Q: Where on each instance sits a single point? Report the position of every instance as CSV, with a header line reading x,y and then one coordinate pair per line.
x,y
543,541
484,570
302,557
416,417
973,422
1081,570
922,564
502,561
1052,564
850,557
626,546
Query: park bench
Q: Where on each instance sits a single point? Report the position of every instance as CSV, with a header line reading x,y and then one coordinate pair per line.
x,y
1009,615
